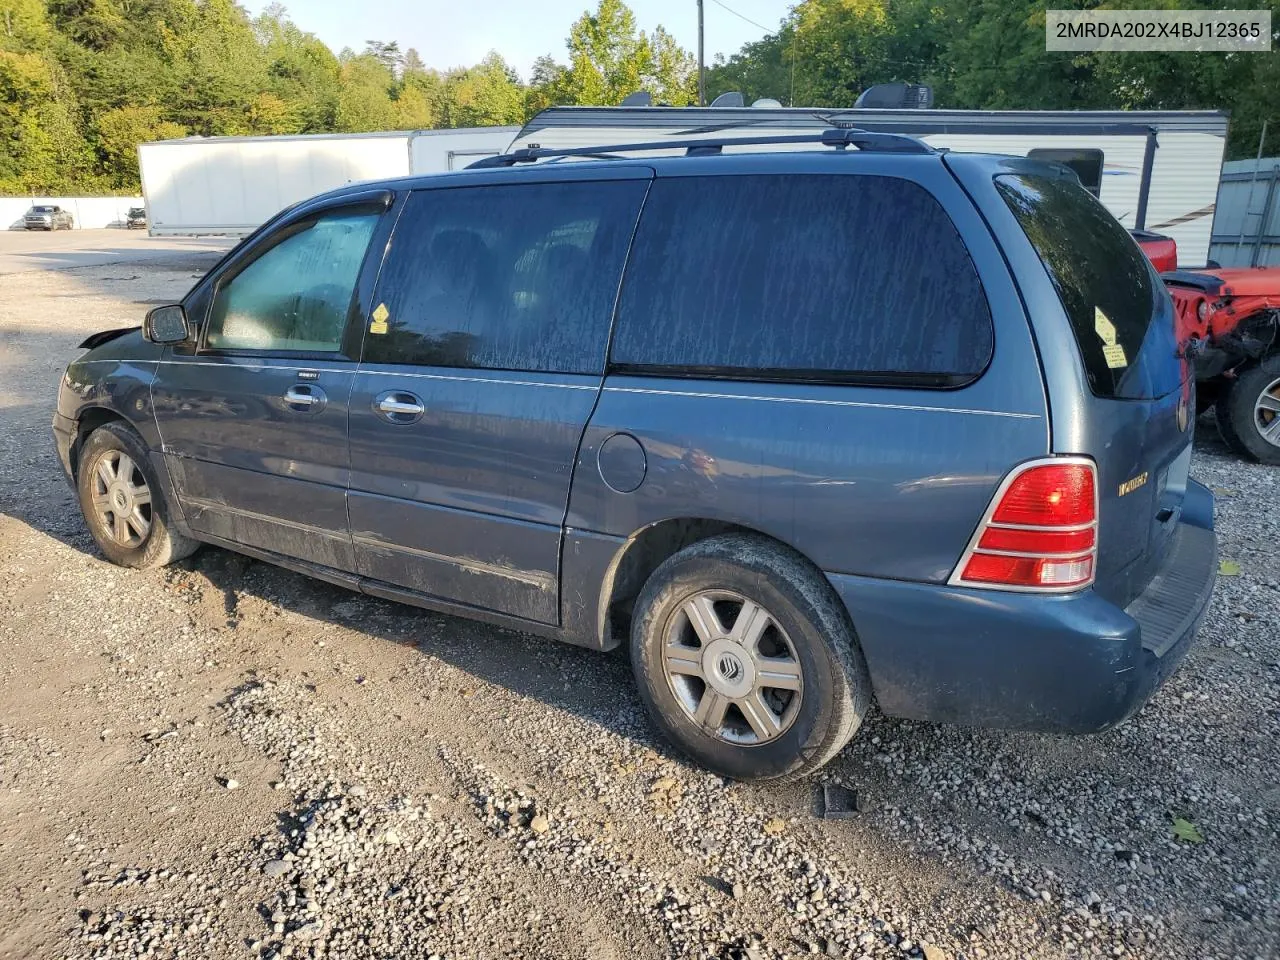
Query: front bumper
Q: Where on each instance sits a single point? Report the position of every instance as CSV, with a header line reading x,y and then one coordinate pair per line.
x,y
1074,663
64,436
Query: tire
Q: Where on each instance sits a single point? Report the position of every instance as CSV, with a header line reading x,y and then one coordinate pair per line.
x,y
806,642
139,535
1243,415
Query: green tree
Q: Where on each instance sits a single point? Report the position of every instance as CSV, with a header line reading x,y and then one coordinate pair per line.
x,y
388,54
487,94
609,58
763,68
364,95
24,25
119,133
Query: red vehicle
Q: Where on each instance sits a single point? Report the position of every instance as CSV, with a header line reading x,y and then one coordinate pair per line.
x,y
1230,320
1160,250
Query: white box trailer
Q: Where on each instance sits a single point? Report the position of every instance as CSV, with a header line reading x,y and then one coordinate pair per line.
x,y
1154,170
434,151
231,185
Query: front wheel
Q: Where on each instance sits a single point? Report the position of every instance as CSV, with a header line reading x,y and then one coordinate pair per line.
x,y
123,504
1248,412
745,659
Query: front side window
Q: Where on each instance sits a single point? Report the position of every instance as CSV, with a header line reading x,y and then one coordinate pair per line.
x,y
296,295
810,277
505,277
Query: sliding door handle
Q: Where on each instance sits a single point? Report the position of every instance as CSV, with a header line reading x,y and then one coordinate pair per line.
x,y
399,406
305,398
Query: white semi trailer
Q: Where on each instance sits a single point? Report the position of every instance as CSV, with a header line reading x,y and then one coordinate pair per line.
x,y
231,185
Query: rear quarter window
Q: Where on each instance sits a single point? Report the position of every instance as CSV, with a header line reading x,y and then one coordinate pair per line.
x,y
844,278
1119,312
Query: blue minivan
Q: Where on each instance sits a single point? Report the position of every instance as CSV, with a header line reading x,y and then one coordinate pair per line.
x,y
807,428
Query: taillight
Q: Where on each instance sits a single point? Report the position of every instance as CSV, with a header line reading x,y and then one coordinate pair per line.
x,y
1040,531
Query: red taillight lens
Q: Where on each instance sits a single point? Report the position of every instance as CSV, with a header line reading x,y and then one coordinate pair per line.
x,y
1028,572
1049,496
1036,541
1041,532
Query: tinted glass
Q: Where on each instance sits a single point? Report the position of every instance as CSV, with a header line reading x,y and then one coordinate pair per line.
x,y
519,277
297,294
1085,164
817,277
1119,312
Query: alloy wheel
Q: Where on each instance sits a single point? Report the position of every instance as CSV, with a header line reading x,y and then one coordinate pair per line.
x,y
121,499
732,668
1266,413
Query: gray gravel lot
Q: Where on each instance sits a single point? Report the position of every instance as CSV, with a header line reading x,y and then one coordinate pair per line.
x,y
224,759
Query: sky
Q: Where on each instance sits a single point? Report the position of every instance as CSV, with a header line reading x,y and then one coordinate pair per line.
x,y
449,33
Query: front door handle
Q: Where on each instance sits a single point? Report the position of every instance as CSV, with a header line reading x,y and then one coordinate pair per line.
x,y
399,406
305,398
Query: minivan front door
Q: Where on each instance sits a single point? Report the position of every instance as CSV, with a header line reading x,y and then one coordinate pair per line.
x,y
483,359
254,420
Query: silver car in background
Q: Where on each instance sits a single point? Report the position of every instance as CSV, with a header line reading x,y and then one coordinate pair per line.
x,y
47,216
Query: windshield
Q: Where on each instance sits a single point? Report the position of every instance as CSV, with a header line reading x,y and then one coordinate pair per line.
x,y
137,212
1120,314
42,209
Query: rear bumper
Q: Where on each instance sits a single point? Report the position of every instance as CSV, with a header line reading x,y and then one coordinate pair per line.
x,y
1075,663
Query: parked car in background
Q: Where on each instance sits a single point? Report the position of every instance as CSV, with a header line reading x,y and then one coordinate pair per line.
x,y
1231,320
1229,325
47,216
1162,251
137,218
655,401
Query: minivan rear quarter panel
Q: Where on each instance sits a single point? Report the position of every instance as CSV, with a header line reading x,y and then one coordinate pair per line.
x,y
1142,446
879,481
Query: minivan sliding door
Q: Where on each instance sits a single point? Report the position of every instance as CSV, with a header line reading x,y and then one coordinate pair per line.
x,y
482,361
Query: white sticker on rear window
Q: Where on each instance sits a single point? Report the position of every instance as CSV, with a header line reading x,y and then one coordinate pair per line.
x,y
1112,352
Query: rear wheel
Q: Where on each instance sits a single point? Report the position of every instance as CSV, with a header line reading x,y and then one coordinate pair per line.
x,y
746,660
123,504
1248,412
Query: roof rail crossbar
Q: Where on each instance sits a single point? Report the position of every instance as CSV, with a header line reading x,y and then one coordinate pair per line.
x,y
839,138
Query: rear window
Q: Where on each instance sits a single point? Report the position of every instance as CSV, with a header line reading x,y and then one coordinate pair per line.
x,y
1120,315
827,278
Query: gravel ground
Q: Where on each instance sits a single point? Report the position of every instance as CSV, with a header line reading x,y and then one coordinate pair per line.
x,y
224,759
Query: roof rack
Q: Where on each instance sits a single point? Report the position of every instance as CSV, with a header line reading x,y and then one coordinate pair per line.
x,y
839,138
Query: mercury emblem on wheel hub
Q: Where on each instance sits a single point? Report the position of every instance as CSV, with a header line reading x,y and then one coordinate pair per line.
x,y
729,667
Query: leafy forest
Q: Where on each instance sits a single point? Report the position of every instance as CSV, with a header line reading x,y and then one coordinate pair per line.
x,y
82,82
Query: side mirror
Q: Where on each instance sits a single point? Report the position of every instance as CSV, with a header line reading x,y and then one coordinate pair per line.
x,y
166,324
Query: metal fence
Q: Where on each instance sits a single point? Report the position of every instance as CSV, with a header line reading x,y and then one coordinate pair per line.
x,y
1246,224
